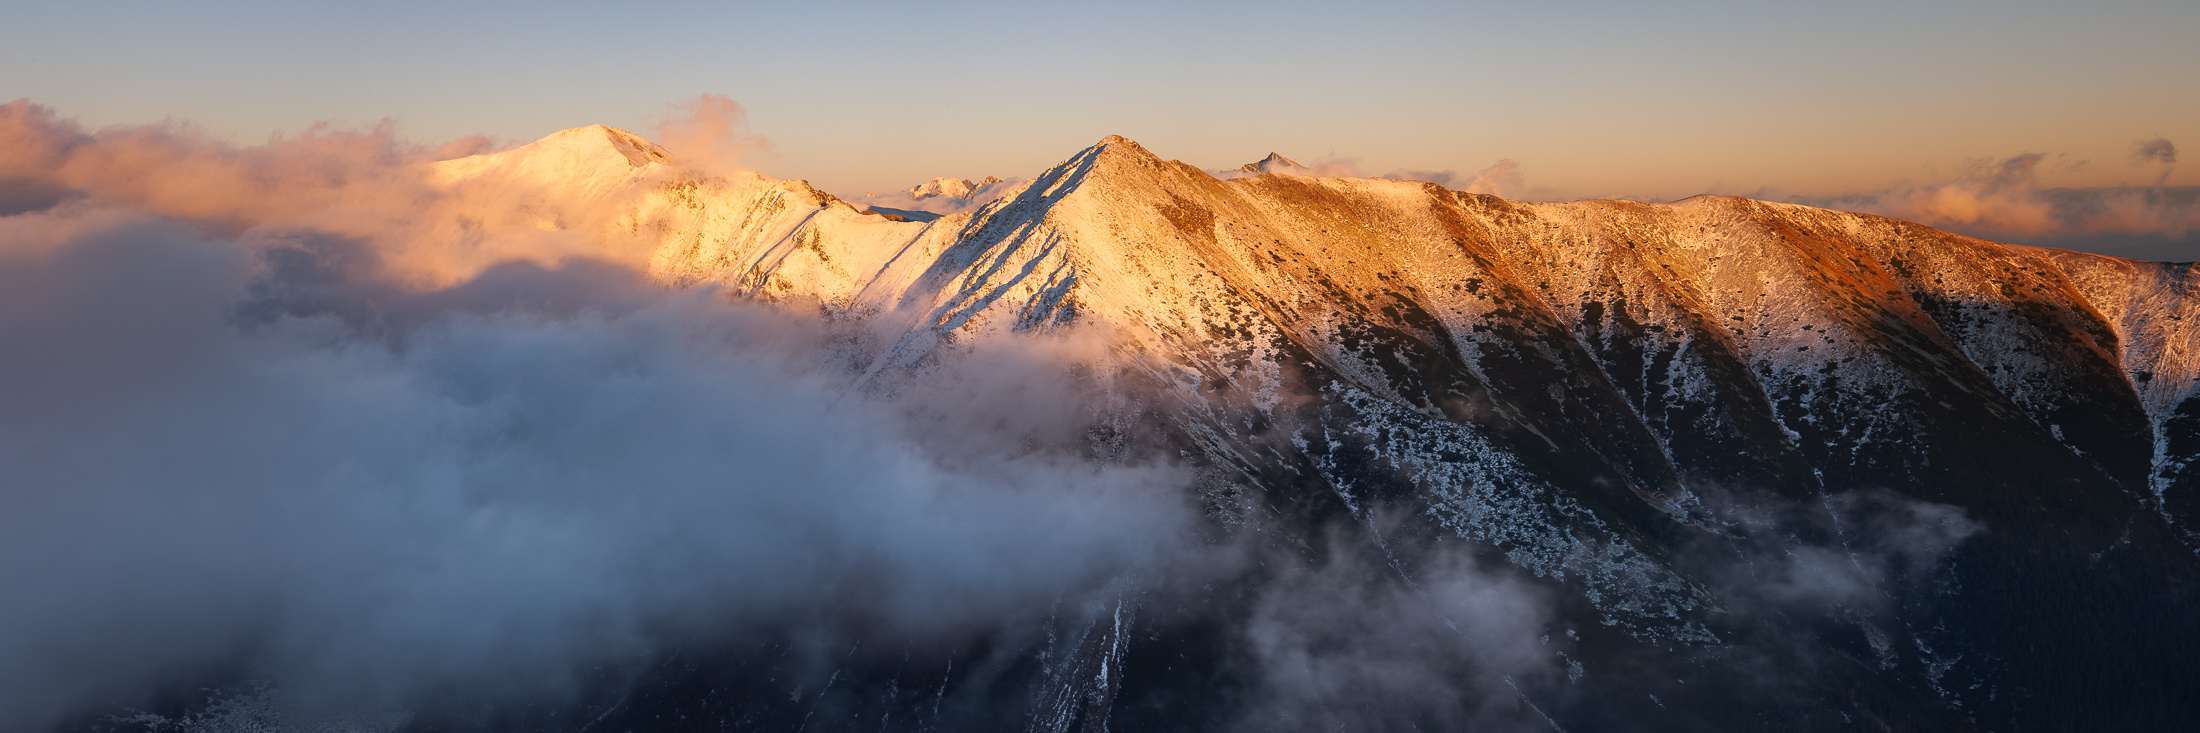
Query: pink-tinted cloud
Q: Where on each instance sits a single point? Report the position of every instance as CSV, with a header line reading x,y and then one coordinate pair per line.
x,y
428,219
2003,200
710,132
1501,179
171,169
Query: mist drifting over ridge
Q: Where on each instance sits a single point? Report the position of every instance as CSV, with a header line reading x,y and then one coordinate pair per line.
x,y
237,435
307,422
388,426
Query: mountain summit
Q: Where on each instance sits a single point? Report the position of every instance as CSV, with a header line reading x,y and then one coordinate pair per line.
x,y
1772,462
1274,163
953,188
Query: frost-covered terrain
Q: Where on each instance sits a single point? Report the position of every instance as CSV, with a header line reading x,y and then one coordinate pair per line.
x,y
1775,466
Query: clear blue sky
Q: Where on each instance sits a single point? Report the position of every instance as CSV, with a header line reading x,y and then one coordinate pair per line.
x,y
1641,99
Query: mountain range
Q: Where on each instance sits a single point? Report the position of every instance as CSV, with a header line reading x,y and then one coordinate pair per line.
x,y
1774,466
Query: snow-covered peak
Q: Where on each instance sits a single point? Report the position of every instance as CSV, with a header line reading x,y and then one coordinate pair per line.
x,y
581,160
639,152
954,188
950,187
1112,146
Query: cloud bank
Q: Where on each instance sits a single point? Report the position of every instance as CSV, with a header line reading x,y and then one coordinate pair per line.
x,y
245,437
309,412
2003,201
1341,645
431,222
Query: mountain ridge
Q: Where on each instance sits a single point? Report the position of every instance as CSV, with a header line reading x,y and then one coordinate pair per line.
x,y
1856,293
1592,391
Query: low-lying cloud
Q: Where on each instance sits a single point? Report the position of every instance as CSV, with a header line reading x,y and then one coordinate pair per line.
x,y
240,437
1345,645
428,226
1854,548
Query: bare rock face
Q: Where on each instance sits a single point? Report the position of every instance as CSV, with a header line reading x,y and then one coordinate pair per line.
x,y
1664,416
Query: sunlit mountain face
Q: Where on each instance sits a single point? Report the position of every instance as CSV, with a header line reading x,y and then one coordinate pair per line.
x,y
582,435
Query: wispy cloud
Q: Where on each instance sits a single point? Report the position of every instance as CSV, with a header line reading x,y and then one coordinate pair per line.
x,y
2003,200
1503,178
2158,150
710,131
1441,650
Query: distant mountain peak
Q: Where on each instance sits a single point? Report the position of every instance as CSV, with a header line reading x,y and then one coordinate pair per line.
x,y
954,188
571,165
1275,162
637,150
